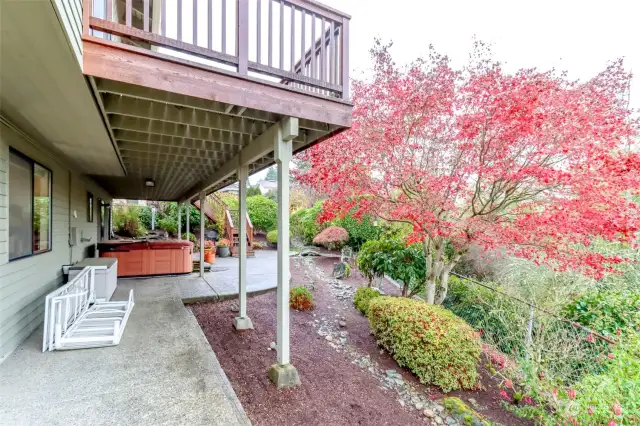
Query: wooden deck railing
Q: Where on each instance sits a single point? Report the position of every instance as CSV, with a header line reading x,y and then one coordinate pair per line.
x,y
300,43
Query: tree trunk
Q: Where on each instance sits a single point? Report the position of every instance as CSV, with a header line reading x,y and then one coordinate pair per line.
x,y
405,290
444,279
434,267
430,285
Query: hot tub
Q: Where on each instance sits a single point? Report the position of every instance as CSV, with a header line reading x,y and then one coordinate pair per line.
x,y
144,258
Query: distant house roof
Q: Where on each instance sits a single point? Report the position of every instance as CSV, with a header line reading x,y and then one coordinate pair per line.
x,y
267,185
234,187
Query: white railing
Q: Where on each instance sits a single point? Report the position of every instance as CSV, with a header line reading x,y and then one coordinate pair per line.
x,y
65,304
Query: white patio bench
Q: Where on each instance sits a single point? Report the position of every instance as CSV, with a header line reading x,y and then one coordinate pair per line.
x,y
74,320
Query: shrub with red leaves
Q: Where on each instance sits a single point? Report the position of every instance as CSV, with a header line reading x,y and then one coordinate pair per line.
x,y
300,299
334,237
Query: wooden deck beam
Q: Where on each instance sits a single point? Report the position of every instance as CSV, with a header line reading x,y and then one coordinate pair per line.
x,y
139,108
155,127
136,66
164,140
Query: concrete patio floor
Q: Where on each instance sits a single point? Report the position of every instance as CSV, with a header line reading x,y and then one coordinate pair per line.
x,y
222,281
164,371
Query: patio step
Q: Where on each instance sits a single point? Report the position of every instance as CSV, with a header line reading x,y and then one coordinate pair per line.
x,y
235,251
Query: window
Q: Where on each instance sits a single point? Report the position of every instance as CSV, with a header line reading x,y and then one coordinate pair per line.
x,y
89,207
29,207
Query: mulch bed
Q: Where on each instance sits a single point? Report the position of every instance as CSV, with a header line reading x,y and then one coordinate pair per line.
x,y
334,390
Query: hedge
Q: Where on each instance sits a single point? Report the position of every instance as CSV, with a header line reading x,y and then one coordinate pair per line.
x,y
362,297
439,347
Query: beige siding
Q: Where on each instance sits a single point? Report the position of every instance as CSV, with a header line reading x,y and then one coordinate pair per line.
x,y
23,283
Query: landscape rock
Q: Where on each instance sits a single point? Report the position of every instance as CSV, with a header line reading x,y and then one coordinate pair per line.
x,y
342,324
428,412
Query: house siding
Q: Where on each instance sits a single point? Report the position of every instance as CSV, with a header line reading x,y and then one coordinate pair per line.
x,y
25,282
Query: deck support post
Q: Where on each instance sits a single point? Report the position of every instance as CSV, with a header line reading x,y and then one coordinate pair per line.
x,y
283,374
202,197
242,321
179,220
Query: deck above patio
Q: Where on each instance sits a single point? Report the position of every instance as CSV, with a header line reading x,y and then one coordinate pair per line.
x,y
184,86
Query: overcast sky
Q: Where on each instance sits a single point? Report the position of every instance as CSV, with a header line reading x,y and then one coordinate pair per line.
x,y
577,36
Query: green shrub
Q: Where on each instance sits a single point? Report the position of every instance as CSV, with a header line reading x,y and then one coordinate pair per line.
x,y
272,236
360,231
440,348
304,224
262,212
362,297
191,237
598,399
253,190
607,313
169,211
145,216
300,299
394,258
620,383
126,222
334,237
168,224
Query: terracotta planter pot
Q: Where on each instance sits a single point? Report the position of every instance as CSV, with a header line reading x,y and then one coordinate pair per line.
x,y
210,256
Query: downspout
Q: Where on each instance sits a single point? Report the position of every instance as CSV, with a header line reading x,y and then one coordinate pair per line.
x,y
69,228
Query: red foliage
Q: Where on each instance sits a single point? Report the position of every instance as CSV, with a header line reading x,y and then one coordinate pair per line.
x,y
530,163
300,299
332,237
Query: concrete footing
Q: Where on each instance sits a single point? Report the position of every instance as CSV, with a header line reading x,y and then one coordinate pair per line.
x,y
242,323
284,376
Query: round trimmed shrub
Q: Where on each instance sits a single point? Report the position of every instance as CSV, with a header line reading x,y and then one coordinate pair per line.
x,y
439,347
362,297
300,299
334,237
263,212
272,236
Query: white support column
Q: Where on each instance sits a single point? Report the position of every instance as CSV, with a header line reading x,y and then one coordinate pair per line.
x,y
179,220
283,374
242,322
202,200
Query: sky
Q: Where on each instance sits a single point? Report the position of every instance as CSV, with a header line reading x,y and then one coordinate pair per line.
x,y
580,37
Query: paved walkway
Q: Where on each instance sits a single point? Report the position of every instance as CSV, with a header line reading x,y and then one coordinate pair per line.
x,y
164,372
222,281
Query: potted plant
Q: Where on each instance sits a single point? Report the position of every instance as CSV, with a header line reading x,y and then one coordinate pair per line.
x,y
209,252
223,247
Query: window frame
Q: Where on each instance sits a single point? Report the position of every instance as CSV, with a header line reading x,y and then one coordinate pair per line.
x,y
33,163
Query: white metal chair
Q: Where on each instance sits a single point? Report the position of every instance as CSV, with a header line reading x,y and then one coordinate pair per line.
x,y
73,320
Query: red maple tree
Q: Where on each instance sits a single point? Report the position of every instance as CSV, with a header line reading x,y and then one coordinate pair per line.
x,y
529,163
